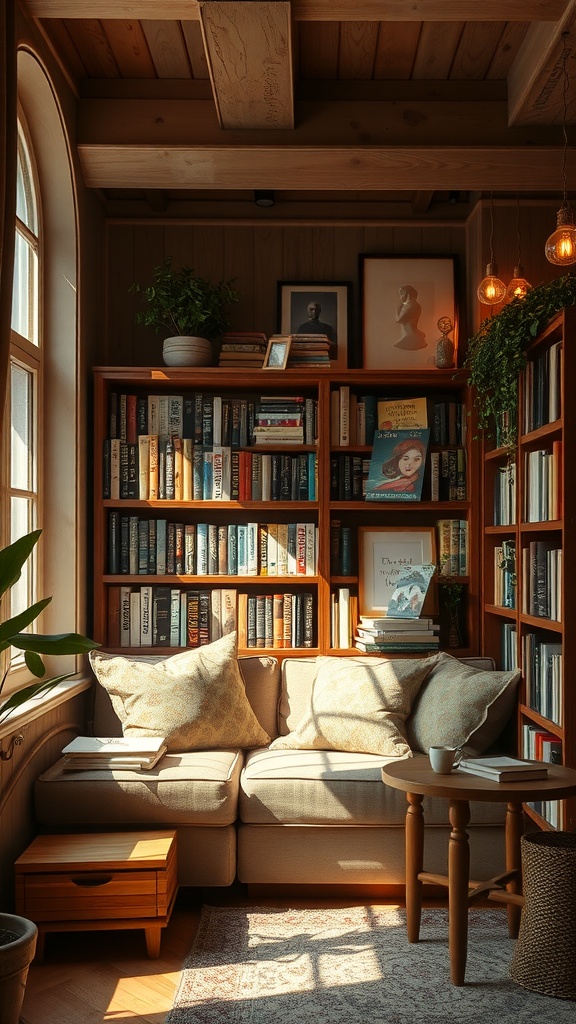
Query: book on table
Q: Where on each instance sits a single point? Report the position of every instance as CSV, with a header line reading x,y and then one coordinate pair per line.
x,y
88,753
504,769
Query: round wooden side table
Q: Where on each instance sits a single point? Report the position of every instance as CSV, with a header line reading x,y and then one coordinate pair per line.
x,y
416,778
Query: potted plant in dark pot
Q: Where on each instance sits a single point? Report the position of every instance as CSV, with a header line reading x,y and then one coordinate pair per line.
x,y
17,934
190,310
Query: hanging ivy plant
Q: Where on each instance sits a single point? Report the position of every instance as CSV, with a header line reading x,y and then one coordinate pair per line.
x,y
497,353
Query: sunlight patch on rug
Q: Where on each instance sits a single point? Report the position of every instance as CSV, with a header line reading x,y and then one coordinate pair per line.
x,y
350,965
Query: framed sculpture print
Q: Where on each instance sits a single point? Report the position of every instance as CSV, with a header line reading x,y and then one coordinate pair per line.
x,y
385,553
403,298
317,309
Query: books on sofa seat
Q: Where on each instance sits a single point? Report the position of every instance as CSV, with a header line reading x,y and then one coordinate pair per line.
x,y
89,753
504,769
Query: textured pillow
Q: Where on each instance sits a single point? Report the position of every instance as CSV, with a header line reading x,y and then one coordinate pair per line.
x,y
195,699
461,706
359,707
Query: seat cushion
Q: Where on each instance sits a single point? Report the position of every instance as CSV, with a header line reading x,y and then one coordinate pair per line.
x,y
326,787
199,787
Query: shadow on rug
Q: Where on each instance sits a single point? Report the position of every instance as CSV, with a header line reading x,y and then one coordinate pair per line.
x,y
350,965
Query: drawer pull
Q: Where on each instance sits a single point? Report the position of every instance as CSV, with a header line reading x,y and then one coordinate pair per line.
x,y
91,881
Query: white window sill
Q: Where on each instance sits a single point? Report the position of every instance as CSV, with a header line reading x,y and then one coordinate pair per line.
x,y
38,706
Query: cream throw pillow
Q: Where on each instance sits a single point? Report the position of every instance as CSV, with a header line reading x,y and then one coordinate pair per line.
x,y
359,707
195,699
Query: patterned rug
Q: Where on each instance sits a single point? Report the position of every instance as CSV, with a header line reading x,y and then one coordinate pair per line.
x,y
350,965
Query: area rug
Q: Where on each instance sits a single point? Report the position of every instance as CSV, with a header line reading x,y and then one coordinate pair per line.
x,y
350,965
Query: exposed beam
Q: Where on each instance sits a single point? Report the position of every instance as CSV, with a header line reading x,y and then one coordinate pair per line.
x,y
421,201
249,52
315,10
535,81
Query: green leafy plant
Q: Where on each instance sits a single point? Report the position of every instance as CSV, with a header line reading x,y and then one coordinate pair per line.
x,y
12,558
497,353
182,303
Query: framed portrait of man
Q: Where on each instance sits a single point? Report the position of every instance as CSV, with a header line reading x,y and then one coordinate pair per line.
x,y
317,310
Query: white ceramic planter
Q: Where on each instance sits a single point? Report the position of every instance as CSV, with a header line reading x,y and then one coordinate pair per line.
x,y
187,351
16,956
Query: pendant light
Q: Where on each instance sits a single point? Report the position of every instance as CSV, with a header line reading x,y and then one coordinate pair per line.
x,y
518,285
560,248
491,290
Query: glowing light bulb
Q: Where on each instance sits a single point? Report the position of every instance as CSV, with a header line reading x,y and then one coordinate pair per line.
x,y
518,286
560,248
491,289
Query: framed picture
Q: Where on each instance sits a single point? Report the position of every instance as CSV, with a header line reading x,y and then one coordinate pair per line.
x,y
385,552
317,309
276,354
403,298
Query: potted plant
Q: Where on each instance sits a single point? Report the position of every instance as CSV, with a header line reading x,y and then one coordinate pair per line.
x,y
189,309
497,353
18,934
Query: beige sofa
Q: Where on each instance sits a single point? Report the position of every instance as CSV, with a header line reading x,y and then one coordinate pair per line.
x,y
269,816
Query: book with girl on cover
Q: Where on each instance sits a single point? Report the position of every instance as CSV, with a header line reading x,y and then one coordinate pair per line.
x,y
397,465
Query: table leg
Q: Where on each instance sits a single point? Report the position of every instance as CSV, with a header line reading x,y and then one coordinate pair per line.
x,y
514,830
414,864
458,877
153,935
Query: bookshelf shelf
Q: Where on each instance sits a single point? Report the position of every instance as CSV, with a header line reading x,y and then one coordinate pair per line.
x,y
145,387
536,634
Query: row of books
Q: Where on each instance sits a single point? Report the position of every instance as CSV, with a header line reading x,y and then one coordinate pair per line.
x,y
158,547
206,418
387,634
163,616
539,744
505,578
355,417
542,491
543,666
542,579
542,390
158,468
452,546
350,474
343,549
509,646
505,494
448,475
343,617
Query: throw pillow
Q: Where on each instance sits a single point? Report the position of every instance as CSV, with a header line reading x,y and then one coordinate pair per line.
x,y
461,706
359,706
196,699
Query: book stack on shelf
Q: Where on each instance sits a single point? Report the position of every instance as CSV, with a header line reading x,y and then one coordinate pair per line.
x,y
279,419
308,350
504,769
98,753
379,635
243,348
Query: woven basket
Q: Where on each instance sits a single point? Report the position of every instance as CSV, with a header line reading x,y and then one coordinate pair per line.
x,y
546,949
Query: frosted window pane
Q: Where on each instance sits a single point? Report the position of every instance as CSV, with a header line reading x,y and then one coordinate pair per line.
x,y
21,430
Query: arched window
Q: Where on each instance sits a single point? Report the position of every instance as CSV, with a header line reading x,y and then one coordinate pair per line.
x,y
24,396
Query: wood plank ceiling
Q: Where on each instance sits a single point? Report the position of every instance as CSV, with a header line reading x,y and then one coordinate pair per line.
x,y
373,100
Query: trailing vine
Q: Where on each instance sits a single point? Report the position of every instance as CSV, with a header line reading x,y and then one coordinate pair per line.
x,y
497,353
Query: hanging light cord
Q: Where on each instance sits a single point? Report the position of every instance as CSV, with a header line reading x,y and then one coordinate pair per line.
x,y
518,258
564,113
492,227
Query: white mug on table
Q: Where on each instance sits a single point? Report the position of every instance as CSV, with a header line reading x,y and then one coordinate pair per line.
x,y
444,759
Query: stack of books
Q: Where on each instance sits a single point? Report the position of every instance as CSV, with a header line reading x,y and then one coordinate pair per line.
x,y
91,753
309,350
279,419
243,348
375,635
504,769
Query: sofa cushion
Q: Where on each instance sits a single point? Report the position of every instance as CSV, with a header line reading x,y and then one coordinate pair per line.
x,y
359,706
329,787
198,787
461,706
196,699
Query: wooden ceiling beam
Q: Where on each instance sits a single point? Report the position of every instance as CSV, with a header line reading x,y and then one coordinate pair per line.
x,y
314,10
421,201
536,79
249,52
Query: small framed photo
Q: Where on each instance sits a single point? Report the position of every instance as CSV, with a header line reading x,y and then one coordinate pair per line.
x,y
277,354
322,309
385,553
403,298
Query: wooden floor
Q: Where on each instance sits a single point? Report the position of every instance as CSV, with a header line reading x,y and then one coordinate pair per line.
x,y
105,977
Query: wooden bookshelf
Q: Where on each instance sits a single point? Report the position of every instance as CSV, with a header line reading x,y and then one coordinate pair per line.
x,y
541,638
437,386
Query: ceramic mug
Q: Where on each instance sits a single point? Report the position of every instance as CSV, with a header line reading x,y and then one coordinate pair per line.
x,y
444,759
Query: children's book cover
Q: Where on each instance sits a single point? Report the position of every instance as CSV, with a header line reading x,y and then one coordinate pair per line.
x,y
402,413
410,592
397,465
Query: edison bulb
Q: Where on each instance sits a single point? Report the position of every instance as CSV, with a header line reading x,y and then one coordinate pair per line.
x,y
491,289
518,286
560,248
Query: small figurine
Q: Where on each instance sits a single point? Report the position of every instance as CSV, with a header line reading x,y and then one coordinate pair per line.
x,y
444,358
